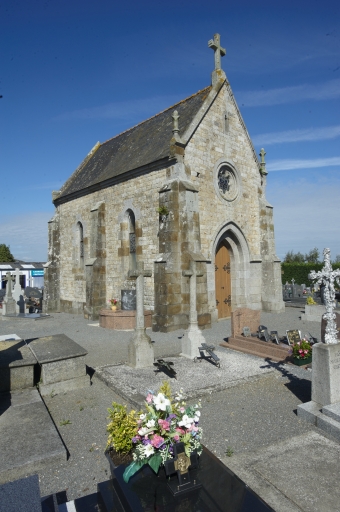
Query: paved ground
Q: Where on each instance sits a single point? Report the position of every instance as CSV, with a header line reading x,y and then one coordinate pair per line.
x,y
251,421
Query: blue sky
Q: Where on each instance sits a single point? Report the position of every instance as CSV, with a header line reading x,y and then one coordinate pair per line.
x,y
77,72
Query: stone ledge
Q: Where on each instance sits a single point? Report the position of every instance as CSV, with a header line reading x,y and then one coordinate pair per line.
x,y
122,319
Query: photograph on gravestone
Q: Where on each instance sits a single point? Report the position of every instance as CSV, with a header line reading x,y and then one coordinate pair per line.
x,y
293,336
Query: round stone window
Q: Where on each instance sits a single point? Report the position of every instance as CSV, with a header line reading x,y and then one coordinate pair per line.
x,y
227,183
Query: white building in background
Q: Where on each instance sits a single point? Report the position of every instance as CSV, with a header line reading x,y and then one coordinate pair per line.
x,y
32,274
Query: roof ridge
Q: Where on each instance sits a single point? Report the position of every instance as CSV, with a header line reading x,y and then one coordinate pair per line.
x,y
158,114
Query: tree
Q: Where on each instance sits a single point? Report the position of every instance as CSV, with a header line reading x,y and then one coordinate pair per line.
x,y
312,256
292,257
5,253
337,259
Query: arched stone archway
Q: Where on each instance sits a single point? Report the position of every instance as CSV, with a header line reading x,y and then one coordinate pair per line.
x,y
245,272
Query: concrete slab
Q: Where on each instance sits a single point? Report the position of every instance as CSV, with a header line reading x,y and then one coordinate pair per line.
x,y
55,348
16,366
65,385
21,495
9,337
27,316
275,473
29,441
196,379
333,411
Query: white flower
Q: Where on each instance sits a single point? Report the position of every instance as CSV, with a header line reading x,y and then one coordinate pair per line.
x,y
142,416
143,431
150,423
186,421
197,413
161,402
197,416
148,450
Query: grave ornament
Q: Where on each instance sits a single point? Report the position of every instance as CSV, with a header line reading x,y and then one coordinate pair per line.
x,y
327,277
246,332
180,464
293,336
211,355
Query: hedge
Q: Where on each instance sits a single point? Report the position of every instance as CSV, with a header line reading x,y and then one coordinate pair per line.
x,y
300,271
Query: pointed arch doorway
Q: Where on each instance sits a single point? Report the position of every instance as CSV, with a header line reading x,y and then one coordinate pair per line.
x,y
223,281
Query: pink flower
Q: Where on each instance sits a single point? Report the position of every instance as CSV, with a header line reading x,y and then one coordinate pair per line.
x,y
180,430
165,425
149,398
176,437
300,351
157,441
182,409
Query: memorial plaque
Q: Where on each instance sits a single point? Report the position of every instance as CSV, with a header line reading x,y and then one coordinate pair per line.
x,y
293,336
246,332
128,300
274,336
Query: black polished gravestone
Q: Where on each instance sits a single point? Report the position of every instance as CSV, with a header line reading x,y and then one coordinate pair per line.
x,y
221,491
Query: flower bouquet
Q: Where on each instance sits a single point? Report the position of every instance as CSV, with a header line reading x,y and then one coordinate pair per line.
x,y
113,302
164,423
302,352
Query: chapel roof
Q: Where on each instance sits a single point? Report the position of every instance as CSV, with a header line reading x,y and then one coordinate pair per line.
x,y
143,144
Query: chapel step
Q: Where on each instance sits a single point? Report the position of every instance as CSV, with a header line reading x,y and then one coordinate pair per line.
x,y
256,347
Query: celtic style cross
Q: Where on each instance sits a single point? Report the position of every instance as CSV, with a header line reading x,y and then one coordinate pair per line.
x,y
139,275
219,51
263,163
9,278
328,277
175,117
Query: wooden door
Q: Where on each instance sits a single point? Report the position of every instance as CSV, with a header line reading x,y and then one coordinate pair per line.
x,y
223,282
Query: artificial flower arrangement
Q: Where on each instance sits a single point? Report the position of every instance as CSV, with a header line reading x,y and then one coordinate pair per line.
x,y
310,301
302,349
166,421
113,302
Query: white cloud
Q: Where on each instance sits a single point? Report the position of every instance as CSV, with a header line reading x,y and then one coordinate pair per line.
x,y
308,134
286,165
26,234
280,96
122,109
306,215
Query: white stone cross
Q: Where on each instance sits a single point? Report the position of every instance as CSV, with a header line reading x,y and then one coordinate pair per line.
x,y
192,338
219,51
328,276
140,348
293,281
192,274
9,278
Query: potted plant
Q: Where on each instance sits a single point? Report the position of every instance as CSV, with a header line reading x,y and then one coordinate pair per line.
x,y
302,352
121,429
114,304
166,421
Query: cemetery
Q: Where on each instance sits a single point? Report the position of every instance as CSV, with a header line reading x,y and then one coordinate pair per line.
x,y
213,390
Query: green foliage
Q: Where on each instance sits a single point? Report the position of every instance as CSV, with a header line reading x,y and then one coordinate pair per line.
x,y
292,257
302,349
5,253
313,256
65,422
163,210
310,301
122,428
229,451
300,271
165,388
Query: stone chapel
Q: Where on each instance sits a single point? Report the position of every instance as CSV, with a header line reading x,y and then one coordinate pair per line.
x,y
185,185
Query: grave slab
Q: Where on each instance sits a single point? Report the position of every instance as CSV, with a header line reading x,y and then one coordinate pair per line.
x,y
21,495
196,379
29,441
272,473
16,366
62,363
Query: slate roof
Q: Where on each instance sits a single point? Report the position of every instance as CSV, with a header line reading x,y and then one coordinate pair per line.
x,y
141,145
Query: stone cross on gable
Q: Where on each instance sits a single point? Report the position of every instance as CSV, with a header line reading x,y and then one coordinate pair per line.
x,y
327,276
140,348
9,278
263,163
219,51
175,117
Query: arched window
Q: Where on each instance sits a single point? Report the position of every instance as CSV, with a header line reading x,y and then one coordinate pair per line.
x,y
81,240
132,240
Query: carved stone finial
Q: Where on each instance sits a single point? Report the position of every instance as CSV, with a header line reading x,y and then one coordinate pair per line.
x,y
175,117
219,51
263,163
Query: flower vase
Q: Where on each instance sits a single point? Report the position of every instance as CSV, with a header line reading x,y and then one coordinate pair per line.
x,y
113,308
302,362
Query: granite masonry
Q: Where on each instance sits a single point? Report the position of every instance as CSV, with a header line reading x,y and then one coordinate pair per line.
x,y
185,181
